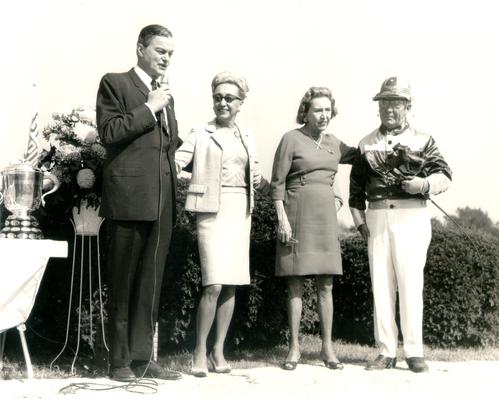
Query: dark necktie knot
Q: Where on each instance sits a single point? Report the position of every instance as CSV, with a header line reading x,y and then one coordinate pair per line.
x,y
154,84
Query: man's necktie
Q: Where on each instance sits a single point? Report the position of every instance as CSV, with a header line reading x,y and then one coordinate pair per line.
x,y
160,115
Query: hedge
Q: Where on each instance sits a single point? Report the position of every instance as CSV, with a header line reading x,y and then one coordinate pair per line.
x,y
461,292
460,295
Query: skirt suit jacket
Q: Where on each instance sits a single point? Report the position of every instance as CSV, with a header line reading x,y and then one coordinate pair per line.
x,y
203,146
223,213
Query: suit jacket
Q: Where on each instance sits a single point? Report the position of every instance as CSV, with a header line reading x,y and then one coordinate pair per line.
x,y
204,147
136,147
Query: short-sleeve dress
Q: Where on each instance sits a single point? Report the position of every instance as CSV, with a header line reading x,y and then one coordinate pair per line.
x,y
303,177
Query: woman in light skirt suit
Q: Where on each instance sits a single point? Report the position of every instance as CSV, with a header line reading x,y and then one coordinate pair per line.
x,y
224,175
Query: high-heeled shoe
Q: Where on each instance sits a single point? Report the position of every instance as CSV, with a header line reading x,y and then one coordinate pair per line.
x,y
333,364
225,369
290,365
198,372
330,361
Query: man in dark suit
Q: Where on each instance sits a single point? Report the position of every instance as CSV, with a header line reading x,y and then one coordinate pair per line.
x,y
136,123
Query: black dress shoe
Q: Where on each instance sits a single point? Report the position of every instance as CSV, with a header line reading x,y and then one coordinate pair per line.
x,y
381,362
417,364
122,374
151,369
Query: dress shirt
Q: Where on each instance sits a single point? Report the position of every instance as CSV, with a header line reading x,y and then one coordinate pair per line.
x,y
146,79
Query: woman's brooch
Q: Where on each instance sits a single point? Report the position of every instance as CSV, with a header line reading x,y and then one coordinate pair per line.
x,y
330,151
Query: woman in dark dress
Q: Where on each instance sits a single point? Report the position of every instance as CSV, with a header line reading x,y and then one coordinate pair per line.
x,y
305,165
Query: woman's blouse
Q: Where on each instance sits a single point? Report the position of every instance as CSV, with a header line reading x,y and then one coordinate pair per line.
x,y
234,161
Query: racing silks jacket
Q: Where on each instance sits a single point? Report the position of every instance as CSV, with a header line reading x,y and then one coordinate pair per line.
x,y
389,157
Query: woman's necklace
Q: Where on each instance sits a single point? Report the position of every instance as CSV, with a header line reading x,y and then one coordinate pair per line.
x,y
234,130
318,141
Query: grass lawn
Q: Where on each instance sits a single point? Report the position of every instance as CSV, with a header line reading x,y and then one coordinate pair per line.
x,y
250,358
346,352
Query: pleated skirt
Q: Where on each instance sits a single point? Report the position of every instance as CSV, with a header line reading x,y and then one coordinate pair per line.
x,y
224,240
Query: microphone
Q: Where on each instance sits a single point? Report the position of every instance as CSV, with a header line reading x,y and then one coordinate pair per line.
x,y
164,84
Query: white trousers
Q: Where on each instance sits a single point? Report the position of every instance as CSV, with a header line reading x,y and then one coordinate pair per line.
x,y
398,243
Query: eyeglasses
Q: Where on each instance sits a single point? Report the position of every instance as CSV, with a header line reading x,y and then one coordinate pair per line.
x,y
217,98
392,103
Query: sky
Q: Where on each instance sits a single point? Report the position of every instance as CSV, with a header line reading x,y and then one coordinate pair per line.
x,y
447,49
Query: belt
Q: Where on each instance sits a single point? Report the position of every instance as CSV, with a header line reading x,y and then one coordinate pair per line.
x,y
325,178
235,189
397,203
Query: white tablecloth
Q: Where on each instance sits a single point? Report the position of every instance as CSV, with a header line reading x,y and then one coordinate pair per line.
x,y
22,264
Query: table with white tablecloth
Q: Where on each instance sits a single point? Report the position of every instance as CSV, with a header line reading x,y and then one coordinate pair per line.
x,y
22,265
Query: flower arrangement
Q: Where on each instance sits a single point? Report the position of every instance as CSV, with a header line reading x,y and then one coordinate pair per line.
x,y
75,157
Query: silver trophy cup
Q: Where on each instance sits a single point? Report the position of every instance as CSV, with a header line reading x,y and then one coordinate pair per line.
x,y
21,191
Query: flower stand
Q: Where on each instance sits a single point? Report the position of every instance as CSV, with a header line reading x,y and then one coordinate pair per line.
x,y
86,224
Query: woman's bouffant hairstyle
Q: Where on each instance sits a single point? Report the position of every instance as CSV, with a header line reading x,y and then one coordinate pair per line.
x,y
229,77
310,94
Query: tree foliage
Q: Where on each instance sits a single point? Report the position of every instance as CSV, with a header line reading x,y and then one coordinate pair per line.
x,y
475,219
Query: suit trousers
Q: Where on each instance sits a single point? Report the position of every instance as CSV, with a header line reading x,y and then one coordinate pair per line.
x,y
398,243
136,261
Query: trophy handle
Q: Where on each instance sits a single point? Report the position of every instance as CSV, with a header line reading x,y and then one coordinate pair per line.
x,y
56,183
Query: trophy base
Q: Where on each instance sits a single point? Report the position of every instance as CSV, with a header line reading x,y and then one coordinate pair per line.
x,y
21,228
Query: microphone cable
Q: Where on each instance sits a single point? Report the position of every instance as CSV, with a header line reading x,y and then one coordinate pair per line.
x,y
156,247
160,209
